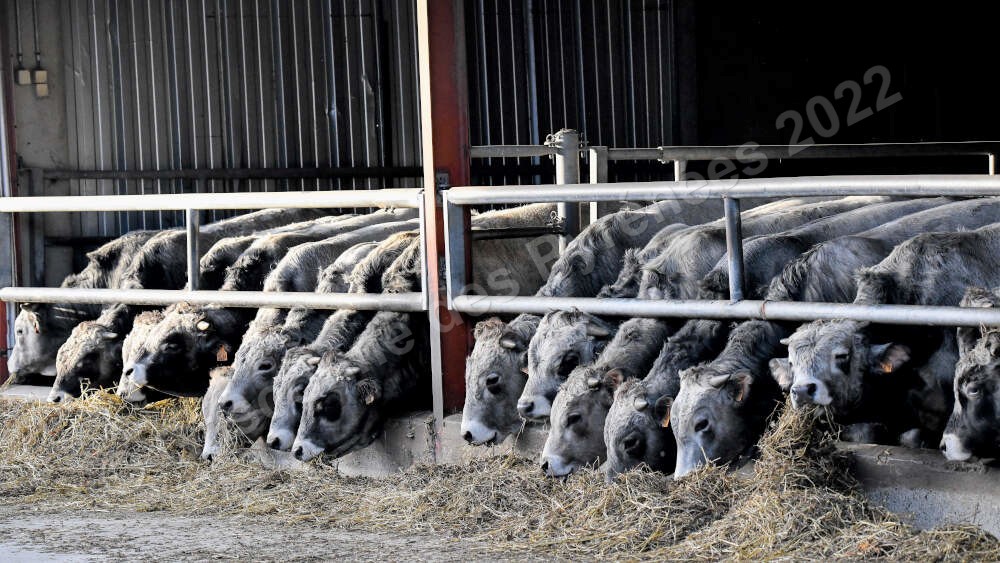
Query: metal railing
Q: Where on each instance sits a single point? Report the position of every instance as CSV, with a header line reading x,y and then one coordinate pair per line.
x,y
731,191
191,204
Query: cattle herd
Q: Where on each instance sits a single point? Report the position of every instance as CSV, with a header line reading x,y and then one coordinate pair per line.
x,y
667,394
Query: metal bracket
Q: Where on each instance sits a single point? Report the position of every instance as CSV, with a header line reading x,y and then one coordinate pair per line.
x,y
442,180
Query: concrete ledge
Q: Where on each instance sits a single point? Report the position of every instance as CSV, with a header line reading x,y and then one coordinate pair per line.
x,y
26,392
927,489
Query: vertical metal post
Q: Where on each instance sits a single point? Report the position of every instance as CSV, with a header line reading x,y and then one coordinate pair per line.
x,y
445,141
193,221
680,168
597,158
567,143
734,248
7,251
456,217
992,165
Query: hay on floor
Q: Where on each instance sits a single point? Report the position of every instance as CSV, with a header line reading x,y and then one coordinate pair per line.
x,y
801,501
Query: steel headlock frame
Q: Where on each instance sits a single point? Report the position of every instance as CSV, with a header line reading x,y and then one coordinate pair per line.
x,y
731,191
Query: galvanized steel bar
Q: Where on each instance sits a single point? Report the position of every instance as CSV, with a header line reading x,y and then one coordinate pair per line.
x,y
597,160
746,309
407,302
245,200
680,170
567,144
236,173
455,248
510,151
192,219
918,185
752,151
734,248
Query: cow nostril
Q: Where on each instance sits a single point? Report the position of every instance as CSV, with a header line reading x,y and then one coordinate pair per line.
x,y
632,444
811,389
526,408
298,453
943,447
226,406
56,398
467,436
129,372
545,466
275,443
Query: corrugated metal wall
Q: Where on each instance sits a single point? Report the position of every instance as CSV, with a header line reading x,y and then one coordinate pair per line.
x,y
604,68
166,84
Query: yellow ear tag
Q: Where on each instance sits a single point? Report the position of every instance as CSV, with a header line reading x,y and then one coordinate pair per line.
x,y
222,355
886,367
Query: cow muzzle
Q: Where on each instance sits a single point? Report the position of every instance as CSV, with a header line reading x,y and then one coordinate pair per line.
x,y
953,448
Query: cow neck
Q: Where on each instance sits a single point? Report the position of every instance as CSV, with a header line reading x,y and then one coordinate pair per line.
x,y
751,345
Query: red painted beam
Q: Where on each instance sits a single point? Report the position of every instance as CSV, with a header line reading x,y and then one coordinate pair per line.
x,y
7,106
445,125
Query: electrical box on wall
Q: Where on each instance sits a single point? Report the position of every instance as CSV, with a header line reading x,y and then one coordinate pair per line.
x,y
22,77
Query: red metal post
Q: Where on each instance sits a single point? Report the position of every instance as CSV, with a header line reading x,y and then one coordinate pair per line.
x,y
445,133
7,107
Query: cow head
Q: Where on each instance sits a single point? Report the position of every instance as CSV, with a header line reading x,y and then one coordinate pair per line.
x,y
38,334
180,351
576,438
564,340
91,357
248,399
637,431
495,373
829,360
708,417
973,429
341,409
132,349
296,370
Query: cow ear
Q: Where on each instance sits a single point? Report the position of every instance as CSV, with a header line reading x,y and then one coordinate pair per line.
x,y
739,385
662,410
108,335
313,361
887,358
352,371
29,307
523,363
781,371
204,325
785,341
596,328
369,390
511,340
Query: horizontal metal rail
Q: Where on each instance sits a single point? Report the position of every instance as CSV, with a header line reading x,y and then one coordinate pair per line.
x,y
746,309
903,185
750,151
510,151
407,302
234,173
410,198
243,200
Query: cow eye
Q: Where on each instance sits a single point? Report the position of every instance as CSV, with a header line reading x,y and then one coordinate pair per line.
x,y
265,366
20,331
972,391
170,347
841,356
701,425
329,409
573,418
569,361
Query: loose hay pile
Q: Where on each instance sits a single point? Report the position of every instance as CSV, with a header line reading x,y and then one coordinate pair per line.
x,y
799,503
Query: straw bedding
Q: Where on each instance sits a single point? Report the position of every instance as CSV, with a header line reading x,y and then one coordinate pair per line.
x,y
800,501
